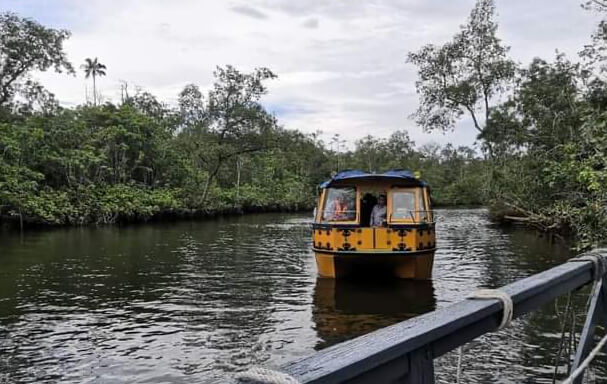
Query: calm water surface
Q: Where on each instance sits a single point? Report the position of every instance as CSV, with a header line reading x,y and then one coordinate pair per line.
x,y
196,301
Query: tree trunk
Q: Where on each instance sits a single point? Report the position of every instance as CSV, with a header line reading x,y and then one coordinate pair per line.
x,y
338,161
205,191
207,185
238,166
94,90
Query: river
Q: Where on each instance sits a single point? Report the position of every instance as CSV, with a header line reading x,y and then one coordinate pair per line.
x,y
191,302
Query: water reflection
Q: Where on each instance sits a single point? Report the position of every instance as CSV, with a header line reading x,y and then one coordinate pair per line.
x,y
344,309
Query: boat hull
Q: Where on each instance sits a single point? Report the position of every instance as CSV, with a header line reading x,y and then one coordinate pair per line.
x,y
405,265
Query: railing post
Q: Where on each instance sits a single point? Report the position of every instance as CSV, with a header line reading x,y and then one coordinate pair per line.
x,y
421,367
596,313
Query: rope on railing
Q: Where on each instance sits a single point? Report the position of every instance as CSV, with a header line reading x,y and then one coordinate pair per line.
x,y
486,294
598,260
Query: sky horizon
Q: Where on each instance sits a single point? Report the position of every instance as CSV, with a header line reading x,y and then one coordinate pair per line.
x,y
341,65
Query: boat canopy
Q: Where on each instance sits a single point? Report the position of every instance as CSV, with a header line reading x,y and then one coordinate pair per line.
x,y
358,175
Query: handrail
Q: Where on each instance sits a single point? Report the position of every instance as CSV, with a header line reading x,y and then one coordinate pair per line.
x,y
405,351
416,216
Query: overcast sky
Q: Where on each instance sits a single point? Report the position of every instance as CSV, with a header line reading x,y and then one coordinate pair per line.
x,y
341,64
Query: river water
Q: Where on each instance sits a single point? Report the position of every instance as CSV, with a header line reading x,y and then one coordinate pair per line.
x,y
191,302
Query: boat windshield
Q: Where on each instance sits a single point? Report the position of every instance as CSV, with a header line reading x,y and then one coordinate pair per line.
x,y
403,205
340,204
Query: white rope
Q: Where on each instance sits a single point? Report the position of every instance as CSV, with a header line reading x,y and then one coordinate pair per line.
x,y
501,296
486,294
259,375
599,263
586,361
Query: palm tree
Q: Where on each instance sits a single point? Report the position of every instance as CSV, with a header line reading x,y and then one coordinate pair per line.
x,y
93,68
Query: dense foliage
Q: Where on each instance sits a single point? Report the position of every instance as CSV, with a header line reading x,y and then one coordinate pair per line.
x,y
457,176
117,162
141,158
545,135
120,162
27,46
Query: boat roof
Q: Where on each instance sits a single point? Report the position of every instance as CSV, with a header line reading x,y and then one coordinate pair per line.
x,y
358,175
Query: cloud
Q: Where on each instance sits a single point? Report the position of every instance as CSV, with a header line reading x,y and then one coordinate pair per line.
x,y
348,76
311,23
250,12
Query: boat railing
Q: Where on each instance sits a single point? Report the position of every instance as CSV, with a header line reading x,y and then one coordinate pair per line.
x,y
414,216
404,352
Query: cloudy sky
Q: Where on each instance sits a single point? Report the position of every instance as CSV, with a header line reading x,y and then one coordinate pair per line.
x,y
341,63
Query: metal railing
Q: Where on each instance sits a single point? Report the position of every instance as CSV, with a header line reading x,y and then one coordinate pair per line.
x,y
404,352
415,217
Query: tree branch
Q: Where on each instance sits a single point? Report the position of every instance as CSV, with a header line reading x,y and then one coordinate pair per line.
x,y
476,125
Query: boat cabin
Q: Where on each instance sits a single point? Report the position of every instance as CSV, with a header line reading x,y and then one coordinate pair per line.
x,y
362,215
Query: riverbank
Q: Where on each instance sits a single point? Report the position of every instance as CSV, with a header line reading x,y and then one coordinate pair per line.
x,y
16,222
161,214
508,215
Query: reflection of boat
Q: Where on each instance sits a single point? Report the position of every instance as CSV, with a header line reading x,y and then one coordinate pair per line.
x,y
344,309
348,236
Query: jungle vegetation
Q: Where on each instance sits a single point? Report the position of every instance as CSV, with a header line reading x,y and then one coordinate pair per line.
x,y
104,162
542,126
540,156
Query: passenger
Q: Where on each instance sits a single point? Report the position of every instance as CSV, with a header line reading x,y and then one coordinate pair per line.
x,y
342,208
378,214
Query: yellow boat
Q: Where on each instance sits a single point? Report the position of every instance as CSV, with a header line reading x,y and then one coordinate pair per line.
x,y
369,222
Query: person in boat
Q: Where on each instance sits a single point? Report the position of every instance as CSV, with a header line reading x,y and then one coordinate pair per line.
x,y
378,214
343,208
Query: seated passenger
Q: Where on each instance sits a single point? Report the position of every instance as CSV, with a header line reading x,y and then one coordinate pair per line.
x,y
343,209
378,214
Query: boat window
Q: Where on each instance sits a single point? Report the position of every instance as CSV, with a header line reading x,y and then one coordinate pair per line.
x,y
403,205
340,204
